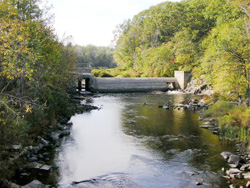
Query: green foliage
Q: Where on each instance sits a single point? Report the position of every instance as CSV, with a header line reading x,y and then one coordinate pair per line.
x,y
219,109
237,123
206,37
94,56
234,121
35,71
238,116
227,58
101,73
164,38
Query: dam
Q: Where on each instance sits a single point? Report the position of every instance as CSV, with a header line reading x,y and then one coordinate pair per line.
x,y
124,85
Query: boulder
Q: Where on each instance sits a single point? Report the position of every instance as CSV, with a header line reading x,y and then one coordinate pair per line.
x,y
206,126
17,147
226,155
36,165
13,185
199,182
44,142
245,167
233,186
35,184
248,184
36,149
246,175
33,159
234,159
54,136
64,133
223,170
236,176
61,127
69,124
233,171
46,168
233,165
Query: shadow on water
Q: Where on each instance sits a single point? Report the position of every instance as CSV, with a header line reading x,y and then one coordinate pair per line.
x,y
128,144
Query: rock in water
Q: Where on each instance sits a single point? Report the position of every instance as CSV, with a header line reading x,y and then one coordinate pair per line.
x,y
234,159
199,183
226,155
247,175
248,184
35,184
46,168
233,171
245,167
17,147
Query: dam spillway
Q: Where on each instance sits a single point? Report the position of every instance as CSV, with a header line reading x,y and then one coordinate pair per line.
x,y
123,85
114,85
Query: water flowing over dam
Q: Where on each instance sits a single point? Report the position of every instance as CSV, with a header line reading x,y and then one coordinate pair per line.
x,y
123,85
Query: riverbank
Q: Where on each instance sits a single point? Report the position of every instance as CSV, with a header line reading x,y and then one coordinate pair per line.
x,y
228,120
30,165
225,119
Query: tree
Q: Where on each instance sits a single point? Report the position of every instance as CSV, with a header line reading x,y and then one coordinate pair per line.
x,y
228,51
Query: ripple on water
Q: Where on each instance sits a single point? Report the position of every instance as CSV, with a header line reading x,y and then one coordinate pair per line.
x,y
126,144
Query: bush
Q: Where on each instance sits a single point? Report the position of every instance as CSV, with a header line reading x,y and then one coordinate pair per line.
x,y
234,121
219,109
101,73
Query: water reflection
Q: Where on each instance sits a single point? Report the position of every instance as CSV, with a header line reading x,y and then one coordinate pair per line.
x,y
128,144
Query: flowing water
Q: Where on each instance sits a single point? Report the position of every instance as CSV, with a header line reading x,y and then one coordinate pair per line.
x,y
128,144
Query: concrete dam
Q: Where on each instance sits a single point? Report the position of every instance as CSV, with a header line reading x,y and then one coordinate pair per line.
x,y
123,85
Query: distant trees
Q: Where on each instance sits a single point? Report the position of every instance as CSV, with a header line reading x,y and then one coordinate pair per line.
x,y
207,37
95,56
177,26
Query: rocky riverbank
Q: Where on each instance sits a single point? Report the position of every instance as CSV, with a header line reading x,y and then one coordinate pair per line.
x,y
238,170
35,160
199,86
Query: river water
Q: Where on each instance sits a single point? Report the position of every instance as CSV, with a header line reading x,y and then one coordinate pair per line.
x,y
128,144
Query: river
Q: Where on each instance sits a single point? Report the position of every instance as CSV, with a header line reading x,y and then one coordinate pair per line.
x,y
128,144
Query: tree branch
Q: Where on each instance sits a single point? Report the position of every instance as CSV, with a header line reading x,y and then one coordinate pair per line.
x,y
245,10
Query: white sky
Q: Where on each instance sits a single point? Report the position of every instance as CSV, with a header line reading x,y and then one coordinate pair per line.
x,y
93,21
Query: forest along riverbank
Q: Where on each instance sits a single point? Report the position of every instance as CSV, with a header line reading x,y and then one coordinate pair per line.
x,y
132,142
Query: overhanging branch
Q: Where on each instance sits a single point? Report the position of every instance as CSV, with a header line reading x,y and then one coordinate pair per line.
x,y
245,10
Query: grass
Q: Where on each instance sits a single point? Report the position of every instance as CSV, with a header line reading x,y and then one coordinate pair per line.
x,y
234,120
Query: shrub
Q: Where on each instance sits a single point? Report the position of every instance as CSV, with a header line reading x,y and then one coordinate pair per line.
x,y
219,109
